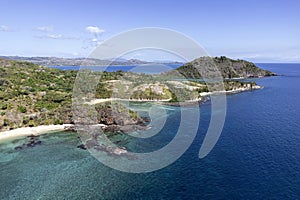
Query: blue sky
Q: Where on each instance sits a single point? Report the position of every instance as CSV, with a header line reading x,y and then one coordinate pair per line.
x,y
260,31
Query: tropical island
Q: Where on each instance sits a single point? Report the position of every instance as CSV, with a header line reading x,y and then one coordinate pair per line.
x,y
36,96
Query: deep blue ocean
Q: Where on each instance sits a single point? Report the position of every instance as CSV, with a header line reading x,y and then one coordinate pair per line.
x,y
256,157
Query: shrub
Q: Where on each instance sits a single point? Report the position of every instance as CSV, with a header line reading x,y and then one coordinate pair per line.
x,y
3,106
31,123
22,109
58,121
25,120
6,122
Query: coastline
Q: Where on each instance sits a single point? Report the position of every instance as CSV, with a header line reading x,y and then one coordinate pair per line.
x,y
96,101
39,130
204,96
27,131
238,90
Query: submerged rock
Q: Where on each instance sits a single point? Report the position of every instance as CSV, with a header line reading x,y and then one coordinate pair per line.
x,y
33,141
82,146
33,136
19,148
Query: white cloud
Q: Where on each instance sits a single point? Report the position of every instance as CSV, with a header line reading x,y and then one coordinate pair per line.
x,y
94,30
5,28
95,42
45,28
54,36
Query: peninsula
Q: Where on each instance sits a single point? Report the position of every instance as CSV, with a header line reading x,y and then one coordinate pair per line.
x,y
32,95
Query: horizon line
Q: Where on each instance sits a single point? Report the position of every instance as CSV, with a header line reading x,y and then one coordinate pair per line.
x,y
153,61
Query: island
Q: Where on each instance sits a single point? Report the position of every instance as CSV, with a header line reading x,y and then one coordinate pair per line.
x,y
35,99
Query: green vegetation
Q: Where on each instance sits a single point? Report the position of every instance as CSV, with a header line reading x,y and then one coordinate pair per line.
x,y
32,95
28,89
218,66
152,92
22,109
3,106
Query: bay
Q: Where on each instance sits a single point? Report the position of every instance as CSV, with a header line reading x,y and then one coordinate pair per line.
x,y
256,157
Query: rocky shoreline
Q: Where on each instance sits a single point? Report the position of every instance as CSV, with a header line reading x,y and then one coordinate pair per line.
x,y
109,121
93,133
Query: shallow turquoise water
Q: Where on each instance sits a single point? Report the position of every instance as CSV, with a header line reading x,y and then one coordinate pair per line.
x,y
257,156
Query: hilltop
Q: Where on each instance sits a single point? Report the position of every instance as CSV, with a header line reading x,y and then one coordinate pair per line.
x,y
229,68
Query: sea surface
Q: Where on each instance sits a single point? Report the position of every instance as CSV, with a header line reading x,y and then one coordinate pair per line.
x,y
145,68
256,157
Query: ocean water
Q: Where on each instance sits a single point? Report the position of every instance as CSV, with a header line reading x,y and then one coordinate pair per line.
x,y
256,157
145,68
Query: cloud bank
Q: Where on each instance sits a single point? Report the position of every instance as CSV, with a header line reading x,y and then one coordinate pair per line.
x,y
94,30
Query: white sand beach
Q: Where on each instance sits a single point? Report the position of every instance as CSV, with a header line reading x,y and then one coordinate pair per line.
x,y
26,131
96,101
255,87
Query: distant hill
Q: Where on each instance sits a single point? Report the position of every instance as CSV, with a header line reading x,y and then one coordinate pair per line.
x,y
229,68
55,61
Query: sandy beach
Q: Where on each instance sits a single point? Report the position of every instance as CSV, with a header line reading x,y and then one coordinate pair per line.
x,y
256,87
26,131
96,101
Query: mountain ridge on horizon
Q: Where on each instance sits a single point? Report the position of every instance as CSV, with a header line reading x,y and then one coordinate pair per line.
x,y
81,61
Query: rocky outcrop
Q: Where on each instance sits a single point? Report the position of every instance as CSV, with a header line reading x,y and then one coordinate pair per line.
x,y
92,144
229,68
112,117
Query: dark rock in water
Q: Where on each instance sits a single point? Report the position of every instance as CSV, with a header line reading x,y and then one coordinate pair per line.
x,y
82,146
33,136
33,143
30,144
19,148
